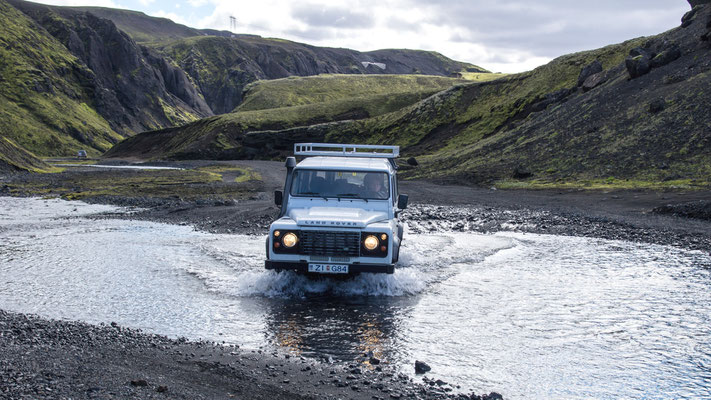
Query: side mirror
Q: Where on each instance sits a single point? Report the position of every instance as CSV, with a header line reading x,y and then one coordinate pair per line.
x,y
402,201
278,197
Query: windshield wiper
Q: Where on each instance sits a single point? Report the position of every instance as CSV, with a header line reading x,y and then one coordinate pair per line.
x,y
315,194
351,195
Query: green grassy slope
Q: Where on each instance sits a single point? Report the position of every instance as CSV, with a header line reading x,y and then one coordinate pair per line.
x,y
320,99
222,67
15,158
328,88
467,113
42,104
141,27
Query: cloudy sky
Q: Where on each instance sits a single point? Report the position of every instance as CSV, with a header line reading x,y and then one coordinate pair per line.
x,y
504,35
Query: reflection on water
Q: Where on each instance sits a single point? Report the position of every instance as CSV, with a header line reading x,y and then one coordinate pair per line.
x,y
530,316
337,327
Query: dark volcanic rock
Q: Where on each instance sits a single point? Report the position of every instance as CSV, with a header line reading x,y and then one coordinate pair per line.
x,y
695,3
593,81
695,209
688,18
657,105
637,65
130,85
666,56
589,70
521,172
421,367
551,98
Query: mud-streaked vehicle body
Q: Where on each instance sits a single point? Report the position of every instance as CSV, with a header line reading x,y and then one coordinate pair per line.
x,y
339,211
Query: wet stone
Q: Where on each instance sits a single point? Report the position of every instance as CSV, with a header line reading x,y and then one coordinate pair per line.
x,y
421,367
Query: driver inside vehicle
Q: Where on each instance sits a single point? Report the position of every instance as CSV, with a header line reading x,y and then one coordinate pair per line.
x,y
374,186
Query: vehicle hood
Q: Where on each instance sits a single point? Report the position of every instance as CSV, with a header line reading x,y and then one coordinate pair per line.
x,y
339,217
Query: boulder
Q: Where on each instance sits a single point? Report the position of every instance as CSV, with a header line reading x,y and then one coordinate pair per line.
x,y
421,367
657,105
640,51
412,161
589,70
688,18
520,172
666,56
593,81
637,65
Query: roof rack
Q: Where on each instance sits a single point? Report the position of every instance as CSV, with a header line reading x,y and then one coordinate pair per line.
x,y
346,150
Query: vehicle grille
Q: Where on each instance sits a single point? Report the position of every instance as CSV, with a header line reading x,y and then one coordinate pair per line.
x,y
330,243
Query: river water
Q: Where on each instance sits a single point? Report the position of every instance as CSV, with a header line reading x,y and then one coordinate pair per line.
x,y
529,316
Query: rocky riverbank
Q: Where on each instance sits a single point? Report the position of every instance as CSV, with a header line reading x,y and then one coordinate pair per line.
x,y
61,359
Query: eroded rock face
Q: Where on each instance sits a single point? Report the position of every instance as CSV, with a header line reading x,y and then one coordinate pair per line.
x,y
695,3
589,70
593,81
666,56
130,86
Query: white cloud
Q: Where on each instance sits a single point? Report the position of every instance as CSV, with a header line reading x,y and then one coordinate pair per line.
x,y
506,35
97,3
171,16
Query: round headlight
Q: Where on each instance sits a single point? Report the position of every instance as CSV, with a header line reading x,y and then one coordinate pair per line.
x,y
289,240
370,242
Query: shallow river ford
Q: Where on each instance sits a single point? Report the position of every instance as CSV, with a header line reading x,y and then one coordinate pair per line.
x,y
529,316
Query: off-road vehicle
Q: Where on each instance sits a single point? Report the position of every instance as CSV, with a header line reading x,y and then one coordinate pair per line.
x,y
339,211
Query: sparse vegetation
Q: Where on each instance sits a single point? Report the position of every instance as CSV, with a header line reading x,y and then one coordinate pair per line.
x,y
482,76
606,184
330,88
178,185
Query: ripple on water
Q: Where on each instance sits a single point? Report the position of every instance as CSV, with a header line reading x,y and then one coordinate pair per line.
x,y
425,259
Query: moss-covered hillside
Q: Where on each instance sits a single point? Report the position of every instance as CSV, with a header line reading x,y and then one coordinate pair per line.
x,y
43,106
329,88
222,67
70,81
284,104
14,158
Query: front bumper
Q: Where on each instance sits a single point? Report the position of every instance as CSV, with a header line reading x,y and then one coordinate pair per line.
x,y
303,266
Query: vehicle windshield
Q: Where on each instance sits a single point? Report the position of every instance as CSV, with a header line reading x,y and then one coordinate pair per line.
x,y
343,184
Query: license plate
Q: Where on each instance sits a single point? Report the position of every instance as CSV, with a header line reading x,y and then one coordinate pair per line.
x,y
328,268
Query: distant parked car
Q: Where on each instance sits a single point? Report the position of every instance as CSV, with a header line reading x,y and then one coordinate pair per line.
x,y
81,154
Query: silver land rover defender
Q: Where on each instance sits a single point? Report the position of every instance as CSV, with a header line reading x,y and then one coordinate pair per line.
x,y
339,211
